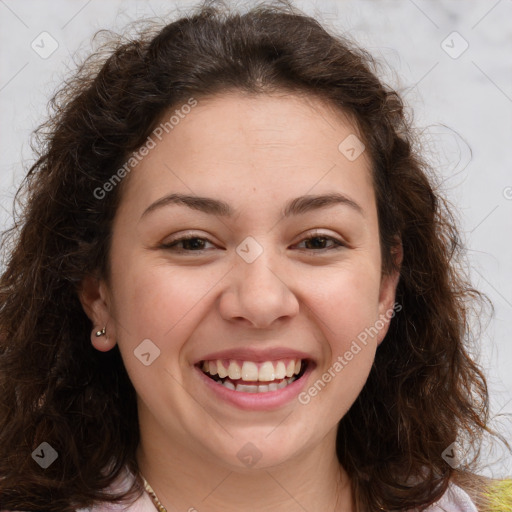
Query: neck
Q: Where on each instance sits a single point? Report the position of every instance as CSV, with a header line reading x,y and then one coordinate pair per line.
x,y
184,479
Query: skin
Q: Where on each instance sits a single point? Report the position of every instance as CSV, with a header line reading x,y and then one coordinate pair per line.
x,y
256,153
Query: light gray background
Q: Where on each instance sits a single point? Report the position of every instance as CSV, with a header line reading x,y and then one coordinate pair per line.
x,y
463,105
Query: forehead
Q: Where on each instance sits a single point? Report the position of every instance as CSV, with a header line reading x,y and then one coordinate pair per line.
x,y
282,124
236,143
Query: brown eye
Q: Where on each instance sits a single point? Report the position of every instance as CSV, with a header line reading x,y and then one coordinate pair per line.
x,y
188,244
319,243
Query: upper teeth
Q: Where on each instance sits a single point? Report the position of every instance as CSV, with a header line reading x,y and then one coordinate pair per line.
x,y
250,371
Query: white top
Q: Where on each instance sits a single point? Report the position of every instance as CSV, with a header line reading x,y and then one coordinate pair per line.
x,y
453,500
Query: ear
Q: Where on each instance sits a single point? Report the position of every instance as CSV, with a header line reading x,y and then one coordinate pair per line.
x,y
387,293
93,295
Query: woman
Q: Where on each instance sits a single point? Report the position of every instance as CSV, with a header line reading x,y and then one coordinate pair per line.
x,y
234,288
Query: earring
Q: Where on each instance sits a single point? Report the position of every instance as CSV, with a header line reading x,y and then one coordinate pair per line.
x,y
101,340
101,332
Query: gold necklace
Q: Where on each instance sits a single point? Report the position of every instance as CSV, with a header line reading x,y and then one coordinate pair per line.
x,y
153,496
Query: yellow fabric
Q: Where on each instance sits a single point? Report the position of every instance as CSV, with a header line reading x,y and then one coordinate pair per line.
x,y
499,495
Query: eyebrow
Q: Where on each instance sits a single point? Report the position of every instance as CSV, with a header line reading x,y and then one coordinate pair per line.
x,y
297,206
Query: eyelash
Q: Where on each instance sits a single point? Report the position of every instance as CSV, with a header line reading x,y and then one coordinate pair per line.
x,y
338,244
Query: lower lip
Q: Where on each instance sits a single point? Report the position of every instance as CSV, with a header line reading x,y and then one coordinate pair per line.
x,y
265,401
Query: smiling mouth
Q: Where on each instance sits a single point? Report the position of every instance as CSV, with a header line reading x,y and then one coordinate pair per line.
x,y
252,377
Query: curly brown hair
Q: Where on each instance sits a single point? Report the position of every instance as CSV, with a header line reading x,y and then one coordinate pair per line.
x,y
424,390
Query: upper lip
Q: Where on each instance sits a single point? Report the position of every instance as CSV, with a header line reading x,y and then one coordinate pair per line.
x,y
256,355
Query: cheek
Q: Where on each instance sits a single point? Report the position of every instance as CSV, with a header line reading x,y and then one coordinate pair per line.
x,y
159,302
347,306
346,309
346,302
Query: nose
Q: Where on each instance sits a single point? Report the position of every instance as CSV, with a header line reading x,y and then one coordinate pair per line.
x,y
258,293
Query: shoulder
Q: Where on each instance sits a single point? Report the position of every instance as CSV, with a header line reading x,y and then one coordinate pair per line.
x,y
479,495
455,499
142,504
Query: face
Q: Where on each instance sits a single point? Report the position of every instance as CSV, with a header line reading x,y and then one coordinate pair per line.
x,y
269,266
